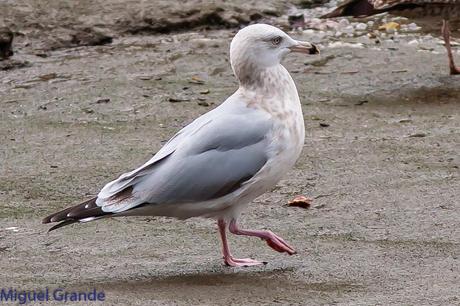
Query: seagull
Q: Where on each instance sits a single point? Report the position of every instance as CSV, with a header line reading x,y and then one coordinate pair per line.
x,y
428,10
219,163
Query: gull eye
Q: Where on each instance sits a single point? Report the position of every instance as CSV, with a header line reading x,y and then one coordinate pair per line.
x,y
277,40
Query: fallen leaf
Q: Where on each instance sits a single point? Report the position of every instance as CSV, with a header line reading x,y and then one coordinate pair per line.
x,y
399,71
87,110
300,201
102,100
390,26
175,100
361,102
218,70
47,77
203,103
418,135
196,80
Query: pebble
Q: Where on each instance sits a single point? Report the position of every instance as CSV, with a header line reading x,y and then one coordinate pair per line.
x,y
361,26
12,228
413,27
348,29
391,27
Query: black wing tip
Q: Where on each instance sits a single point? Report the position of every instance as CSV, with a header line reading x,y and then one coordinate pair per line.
x,y
46,220
64,214
61,224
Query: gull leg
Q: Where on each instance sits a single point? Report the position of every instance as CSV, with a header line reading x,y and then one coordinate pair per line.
x,y
275,242
446,35
228,258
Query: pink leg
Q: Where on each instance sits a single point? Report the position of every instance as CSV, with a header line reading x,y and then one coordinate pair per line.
x,y
228,258
275,242
446,35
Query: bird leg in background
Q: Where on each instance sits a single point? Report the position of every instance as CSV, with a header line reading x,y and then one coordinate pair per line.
x,y
446,35
275,242
228,258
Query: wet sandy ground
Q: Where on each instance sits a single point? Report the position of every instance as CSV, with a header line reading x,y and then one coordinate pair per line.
x,y
380,158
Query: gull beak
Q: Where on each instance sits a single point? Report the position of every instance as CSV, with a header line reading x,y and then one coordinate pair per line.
x,y
304,47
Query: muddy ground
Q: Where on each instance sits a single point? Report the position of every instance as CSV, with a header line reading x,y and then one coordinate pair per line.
x,y
381,160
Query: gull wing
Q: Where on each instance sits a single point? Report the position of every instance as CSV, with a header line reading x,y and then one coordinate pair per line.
x,y
210,159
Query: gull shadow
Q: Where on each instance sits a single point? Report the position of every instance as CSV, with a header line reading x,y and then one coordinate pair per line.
x,y
222,286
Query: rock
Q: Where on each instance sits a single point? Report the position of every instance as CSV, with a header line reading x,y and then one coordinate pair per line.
x,y
413,27
348,29
6,43
296,21
361,26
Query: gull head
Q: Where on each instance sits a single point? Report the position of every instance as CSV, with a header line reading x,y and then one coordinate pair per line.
x,y
261,46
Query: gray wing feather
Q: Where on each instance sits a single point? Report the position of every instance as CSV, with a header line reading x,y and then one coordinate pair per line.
x,y
128,179
208,161
206,176
211,163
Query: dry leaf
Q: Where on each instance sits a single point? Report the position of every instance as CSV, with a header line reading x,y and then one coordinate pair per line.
x,y
390,26
47,77
300,201
196,80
